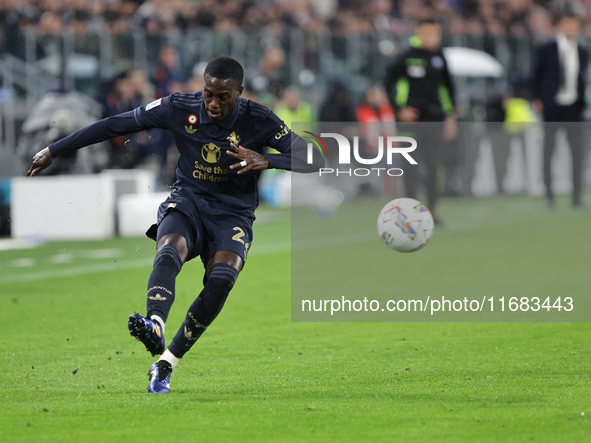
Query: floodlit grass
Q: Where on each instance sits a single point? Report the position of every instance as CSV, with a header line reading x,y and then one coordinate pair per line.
x,y
70,371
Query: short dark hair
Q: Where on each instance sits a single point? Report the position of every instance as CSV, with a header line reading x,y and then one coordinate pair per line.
x,y
427,21
565,13
225,67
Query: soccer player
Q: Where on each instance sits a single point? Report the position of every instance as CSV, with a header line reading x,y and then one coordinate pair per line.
x,y
220,137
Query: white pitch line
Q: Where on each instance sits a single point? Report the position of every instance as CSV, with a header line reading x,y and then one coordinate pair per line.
x,y
61,258
103,253
15,243
78,270
257,249
22,262
139,263
109,267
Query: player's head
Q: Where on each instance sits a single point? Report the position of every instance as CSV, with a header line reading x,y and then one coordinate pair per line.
x,y
429,33
222,86
568,24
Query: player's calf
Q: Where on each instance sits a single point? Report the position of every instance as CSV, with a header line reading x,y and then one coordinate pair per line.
x,y
161,285
205,308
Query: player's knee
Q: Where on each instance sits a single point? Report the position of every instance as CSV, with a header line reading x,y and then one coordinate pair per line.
x,y
220,281
175,241
221,277
228,258
168,255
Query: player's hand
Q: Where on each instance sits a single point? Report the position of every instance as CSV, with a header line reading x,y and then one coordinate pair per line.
x,y
41,160
254,160
408,114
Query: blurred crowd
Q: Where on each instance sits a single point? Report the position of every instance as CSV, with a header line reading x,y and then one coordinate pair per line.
x,y
267,77
462,17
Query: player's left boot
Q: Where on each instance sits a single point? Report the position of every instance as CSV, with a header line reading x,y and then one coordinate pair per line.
x,y
160,377
148,332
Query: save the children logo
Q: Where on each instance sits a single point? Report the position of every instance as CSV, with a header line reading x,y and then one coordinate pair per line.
x,y
387,148
211,153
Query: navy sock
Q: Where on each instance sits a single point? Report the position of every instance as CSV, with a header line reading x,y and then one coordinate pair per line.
x,y
167,265
205,308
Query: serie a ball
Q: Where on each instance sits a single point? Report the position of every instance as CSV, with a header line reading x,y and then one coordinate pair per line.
x,y
405,225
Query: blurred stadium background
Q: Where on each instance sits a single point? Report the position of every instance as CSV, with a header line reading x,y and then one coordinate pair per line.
x,y
65,63
257,375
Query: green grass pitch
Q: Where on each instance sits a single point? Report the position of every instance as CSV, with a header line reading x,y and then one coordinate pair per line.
x,y
70,371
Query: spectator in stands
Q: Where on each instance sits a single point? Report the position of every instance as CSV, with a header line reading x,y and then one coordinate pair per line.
x,y
120,97
292,108
195,83
376,117
338,106
268,77
142,89
167,77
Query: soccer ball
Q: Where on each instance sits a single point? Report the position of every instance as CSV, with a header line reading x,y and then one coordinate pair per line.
x,y
405,225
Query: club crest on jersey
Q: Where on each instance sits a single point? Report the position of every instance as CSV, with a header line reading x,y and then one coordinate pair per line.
x,y
234,138
192,120
211,153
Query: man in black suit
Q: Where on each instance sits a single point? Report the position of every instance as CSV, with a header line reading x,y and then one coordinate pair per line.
x,y
559,92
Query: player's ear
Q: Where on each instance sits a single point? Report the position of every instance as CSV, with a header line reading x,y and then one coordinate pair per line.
x,y
240,89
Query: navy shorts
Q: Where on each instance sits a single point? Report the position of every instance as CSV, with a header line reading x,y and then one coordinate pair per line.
x,y
207,228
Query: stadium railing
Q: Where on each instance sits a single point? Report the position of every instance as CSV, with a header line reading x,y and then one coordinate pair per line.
x,y
313,61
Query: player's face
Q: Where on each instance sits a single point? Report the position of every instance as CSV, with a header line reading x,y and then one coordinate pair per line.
x,y
570,27
430,35
220,96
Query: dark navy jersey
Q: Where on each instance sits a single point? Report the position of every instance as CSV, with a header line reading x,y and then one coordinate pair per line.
x,y
203,164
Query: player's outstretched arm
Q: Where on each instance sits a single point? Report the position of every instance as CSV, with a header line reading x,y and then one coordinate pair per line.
x,y
43,159
153,115
97,132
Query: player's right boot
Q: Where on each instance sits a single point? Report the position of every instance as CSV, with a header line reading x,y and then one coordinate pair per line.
x,y
159,374
148,332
